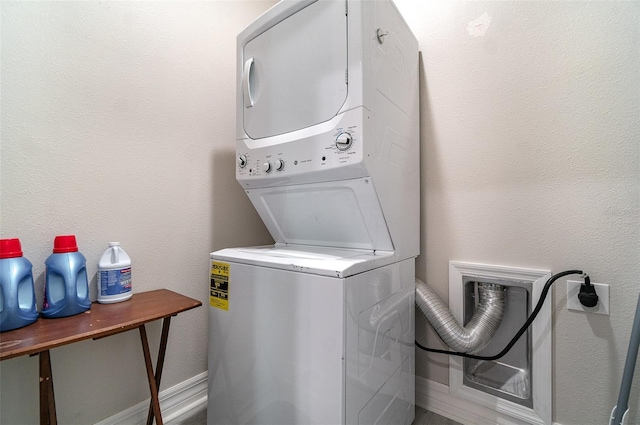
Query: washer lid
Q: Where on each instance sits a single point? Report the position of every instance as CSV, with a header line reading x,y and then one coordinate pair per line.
x,y
341,214
323,261
293,75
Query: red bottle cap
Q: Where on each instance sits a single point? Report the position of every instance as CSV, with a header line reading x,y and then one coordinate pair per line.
x,y
62,244
10,248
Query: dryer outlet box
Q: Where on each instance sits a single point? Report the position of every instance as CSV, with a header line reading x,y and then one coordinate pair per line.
x,y
519,383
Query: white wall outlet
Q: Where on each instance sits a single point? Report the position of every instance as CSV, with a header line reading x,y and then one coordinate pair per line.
x,y
573,303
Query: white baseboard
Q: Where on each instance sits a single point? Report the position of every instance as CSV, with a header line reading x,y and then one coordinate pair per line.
x,y
191,396
436,398
187,396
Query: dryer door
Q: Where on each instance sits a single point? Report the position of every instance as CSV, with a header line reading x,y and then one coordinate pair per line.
x,y
294,73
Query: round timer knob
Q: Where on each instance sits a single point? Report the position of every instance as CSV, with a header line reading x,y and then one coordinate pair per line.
x,y
242,161
266,167
344,141
279,165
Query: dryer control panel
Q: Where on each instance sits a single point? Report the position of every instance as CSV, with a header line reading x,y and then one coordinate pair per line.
x,y
329,152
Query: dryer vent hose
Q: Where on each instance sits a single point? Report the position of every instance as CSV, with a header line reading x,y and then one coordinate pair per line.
x,y
479,330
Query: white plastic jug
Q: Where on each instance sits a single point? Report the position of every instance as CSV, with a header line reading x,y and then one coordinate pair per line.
x,y
114,275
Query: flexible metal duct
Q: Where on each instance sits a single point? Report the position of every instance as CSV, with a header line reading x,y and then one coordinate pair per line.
x,y
480,329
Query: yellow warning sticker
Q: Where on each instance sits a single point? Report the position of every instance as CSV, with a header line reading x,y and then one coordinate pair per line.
x,y
219,290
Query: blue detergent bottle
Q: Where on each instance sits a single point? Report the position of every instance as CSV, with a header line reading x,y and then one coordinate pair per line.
x,y
66,288
17,296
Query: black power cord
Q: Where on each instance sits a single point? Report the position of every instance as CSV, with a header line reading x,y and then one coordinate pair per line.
x,y
587,297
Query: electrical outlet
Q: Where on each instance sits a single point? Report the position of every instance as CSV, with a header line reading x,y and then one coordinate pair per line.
x,y
573,303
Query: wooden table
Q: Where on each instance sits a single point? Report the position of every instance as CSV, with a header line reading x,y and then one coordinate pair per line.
x,y
100,321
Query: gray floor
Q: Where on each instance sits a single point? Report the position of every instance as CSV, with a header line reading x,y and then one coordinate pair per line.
x,y
423,417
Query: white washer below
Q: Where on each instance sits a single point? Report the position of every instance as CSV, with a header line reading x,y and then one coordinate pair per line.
x,y
310,336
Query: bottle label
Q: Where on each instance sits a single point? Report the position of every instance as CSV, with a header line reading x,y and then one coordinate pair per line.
x,y
115,282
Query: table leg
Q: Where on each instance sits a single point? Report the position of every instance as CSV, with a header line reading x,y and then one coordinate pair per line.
x,y
47,400
153,387
160,363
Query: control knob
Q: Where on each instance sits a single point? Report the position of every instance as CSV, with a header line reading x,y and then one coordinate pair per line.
x,y
279,165
344,141
266,167
242,161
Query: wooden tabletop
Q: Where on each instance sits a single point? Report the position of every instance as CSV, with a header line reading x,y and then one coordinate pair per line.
x,y
99,321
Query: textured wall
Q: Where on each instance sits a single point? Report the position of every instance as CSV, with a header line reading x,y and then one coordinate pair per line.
x,y
118,124
531,158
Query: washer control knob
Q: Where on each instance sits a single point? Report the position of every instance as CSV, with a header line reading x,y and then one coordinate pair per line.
x,y
242,161
344,141
266,167
279,165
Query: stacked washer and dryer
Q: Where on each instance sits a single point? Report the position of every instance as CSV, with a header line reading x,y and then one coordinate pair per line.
x,y
319,327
